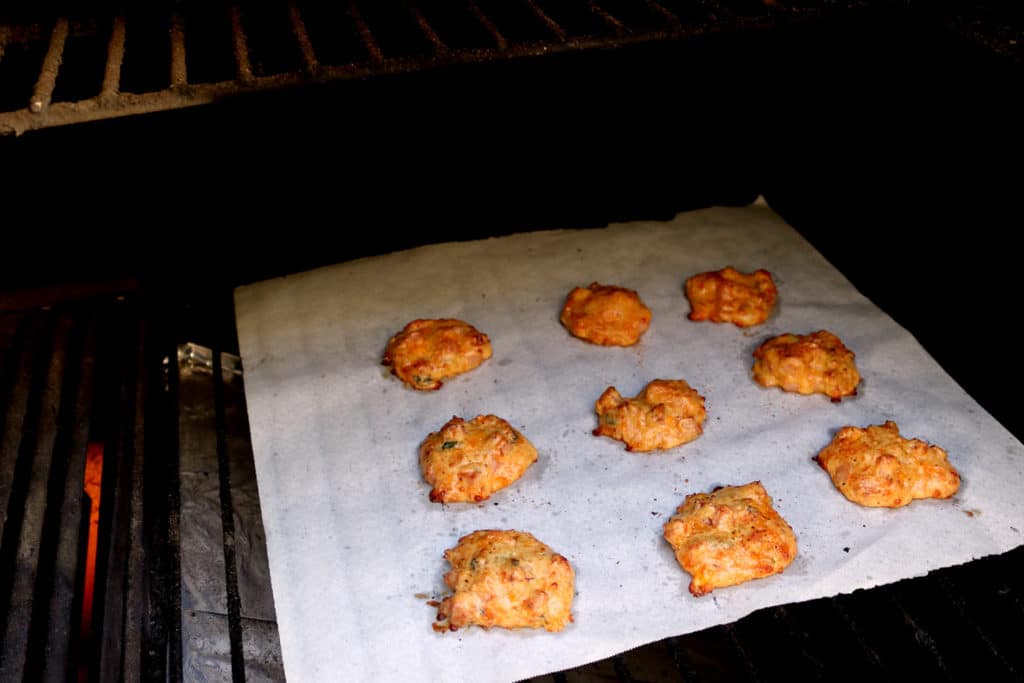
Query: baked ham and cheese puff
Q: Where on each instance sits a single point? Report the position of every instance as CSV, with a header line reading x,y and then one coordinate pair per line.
x,y
606,315
428,351
876,467
729,296
729,536
507,579
807,364
465,462
667,413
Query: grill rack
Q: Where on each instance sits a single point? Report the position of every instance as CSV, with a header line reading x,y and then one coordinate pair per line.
x,y
59,67
174,427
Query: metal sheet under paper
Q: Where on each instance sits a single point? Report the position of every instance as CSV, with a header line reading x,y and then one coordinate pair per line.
x,y
355,544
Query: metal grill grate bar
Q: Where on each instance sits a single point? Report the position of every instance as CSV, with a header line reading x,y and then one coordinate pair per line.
x,y
241,45
921,636
664,12
43,91
546,19
954,598
23,532
607,18
68,552
485,21
425,28
365,35
179,72
115,58
309,59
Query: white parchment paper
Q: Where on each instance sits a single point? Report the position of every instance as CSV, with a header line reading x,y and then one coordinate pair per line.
x,y
355,544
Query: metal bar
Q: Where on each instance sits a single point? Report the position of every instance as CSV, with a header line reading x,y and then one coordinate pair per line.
x,y
485,21
26,534
63,113
684,667
365,35
425,27
921,636
241,45
43,92
621,670
179,73
261,643
550,23
302,37
667,14
19,337
858,634
742,652
61,627
227,524
607,18
135,596
954,597
119,465
788,623
115,58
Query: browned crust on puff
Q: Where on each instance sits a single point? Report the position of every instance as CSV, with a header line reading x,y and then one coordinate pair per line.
x,y
465,462
428,351
606,315
729,296
807,364
667,413
729,536
507,579
876,467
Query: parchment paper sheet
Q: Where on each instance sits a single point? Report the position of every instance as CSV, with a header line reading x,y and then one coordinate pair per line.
x,y
353,538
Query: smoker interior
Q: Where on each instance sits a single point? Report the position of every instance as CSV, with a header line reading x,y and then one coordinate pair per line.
x,y
879,131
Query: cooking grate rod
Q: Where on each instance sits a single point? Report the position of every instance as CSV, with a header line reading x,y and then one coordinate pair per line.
x,y
870,655
953,597
365,35
425,27
665,13
485,21
115,58
607,18
51,65
240,44
546,19
921,636
309,59
179,72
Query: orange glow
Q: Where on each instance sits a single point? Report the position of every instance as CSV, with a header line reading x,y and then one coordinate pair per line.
x,y
93,479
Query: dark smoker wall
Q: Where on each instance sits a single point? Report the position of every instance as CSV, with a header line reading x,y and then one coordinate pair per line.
x,y
892,145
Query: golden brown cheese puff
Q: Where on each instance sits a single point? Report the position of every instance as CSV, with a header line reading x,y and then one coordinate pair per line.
x,y
730,536
507,579
667,413
606,315
428,351
807,364
466,462
729,296
877,467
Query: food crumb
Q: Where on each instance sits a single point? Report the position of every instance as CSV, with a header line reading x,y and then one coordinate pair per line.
x,y
421,596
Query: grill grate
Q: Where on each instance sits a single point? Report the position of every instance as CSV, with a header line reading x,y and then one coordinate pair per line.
x,y
59,68
179,481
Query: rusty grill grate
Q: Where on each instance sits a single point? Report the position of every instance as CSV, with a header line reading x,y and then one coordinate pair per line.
x,y
62,67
